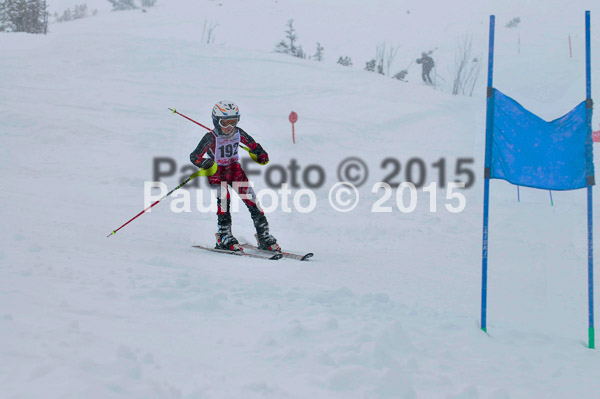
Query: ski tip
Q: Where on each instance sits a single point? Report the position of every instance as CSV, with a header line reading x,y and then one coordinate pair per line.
x,y
307,256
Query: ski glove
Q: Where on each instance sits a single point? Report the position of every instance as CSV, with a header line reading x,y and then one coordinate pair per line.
x,y
263,158
206,163
260,155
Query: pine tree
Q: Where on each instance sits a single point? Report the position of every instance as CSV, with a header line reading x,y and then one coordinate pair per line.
x,y
291,36
67,16
80,11
370,65
345,61
299,52
289,48
29,16
319,53
119,5
282,47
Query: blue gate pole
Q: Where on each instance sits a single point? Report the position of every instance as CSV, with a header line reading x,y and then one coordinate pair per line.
x,y
588,80
487,173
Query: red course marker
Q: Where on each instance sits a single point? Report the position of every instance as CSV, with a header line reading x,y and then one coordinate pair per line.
x,y
293,119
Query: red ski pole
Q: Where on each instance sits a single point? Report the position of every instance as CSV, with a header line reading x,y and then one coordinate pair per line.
x,y
201,172
189,119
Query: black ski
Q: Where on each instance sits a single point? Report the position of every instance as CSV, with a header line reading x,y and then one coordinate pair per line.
x,y
269,256
288,255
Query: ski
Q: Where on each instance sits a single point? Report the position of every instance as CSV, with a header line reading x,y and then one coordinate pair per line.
x,y
288,255
269,256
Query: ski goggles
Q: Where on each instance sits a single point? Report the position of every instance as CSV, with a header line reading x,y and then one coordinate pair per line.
x,y
232,122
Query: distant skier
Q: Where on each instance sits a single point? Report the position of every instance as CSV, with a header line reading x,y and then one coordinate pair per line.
x,y
221,147
401,75
427,62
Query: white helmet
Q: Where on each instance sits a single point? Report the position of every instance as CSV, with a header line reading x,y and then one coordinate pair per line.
x,y
225,116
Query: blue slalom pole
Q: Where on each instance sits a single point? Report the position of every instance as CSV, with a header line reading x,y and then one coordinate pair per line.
x,y
590,173
487,174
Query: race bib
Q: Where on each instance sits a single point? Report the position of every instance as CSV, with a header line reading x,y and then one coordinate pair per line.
x,y
226,149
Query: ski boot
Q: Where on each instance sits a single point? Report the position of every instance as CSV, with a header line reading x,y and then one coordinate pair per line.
x,y
226,240
265,240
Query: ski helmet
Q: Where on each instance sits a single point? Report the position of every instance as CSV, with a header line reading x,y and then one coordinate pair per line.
x,y
225,116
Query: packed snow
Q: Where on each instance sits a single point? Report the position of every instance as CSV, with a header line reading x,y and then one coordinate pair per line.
x,y
389,307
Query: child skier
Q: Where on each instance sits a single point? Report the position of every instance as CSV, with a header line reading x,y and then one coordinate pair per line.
x,y
221,146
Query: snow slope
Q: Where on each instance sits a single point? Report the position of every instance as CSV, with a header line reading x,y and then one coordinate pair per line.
x,y
388,308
